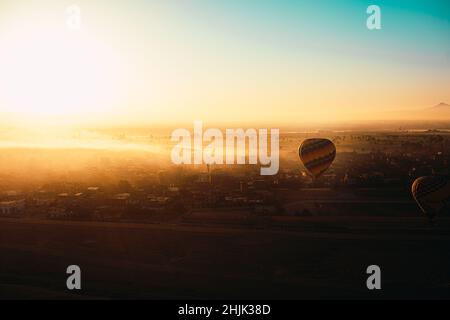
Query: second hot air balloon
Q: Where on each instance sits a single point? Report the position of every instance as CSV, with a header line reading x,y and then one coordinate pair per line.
x,y
432,193
317,155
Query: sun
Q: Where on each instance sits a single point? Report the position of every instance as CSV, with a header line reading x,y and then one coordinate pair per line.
x,y
48,71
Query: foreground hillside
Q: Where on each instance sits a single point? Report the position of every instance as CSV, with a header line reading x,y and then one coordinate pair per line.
x,y
318,258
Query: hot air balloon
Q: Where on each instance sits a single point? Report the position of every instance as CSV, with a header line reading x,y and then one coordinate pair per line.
x,y
432,193
317,155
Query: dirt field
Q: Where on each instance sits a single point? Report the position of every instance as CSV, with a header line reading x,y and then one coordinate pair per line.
x,y
316,257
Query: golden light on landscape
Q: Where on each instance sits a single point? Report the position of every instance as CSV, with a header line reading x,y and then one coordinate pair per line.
x,y
224,150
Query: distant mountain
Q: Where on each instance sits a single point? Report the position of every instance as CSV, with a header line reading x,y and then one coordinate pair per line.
x,y
441,107
440,111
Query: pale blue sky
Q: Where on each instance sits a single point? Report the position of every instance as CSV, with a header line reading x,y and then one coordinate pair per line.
x,y
186,60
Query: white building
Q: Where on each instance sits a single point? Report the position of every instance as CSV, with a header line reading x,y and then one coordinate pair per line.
x,y
13,207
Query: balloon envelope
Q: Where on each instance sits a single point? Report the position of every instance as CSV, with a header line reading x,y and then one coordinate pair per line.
x,y
317,155
431,193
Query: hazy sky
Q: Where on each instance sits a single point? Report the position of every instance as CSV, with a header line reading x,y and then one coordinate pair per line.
x,y
221,61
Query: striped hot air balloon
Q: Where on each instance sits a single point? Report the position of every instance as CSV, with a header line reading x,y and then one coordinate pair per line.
x,y
317,155
431,193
